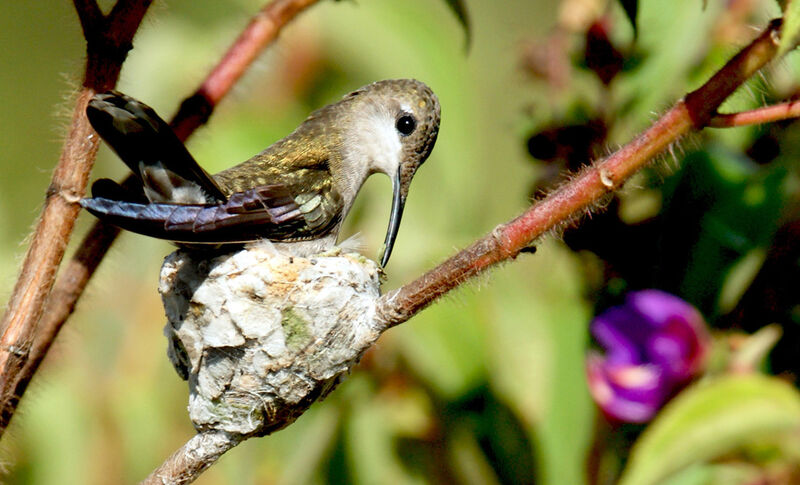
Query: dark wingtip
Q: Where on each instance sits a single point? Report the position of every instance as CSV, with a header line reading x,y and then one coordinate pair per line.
x,y
109,189
102,104
96,205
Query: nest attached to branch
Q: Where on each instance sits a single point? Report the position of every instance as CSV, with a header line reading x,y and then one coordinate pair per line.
x,y
260,335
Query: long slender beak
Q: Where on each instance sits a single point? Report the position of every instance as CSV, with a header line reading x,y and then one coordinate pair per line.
x,y
400,191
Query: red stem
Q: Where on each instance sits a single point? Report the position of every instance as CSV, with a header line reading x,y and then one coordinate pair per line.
x,y
262,30
585,190
767,114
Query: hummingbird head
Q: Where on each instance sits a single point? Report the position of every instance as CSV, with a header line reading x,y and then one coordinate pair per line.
x,y
395,126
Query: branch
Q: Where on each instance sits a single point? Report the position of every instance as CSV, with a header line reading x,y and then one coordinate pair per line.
x,y
105,53
90,15
561,207
506,241
767,114
259,33
75,276
186,464
585,190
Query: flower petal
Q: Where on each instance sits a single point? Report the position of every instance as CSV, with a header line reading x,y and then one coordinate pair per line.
x,y
654,344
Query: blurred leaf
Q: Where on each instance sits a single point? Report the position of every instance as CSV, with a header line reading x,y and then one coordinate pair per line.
x,y
468,459
718,474
314,445
712,419
601,55
719,208
754,350
773,297
336,471
537,340
498,433
740,276
631,8
791,27
451,367
369,452
459,8
661,76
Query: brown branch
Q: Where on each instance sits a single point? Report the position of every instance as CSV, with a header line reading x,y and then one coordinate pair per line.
x,y
76,274
105,53
260,32
586,189
186,464
90,15
767,114
65,295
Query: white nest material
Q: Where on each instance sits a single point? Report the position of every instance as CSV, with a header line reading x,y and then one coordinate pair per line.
x,y
260,336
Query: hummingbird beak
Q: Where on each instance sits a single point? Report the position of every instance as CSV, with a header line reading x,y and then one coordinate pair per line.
x,y
400,190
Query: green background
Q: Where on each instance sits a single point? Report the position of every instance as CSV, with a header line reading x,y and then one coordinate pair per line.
x,y
485,386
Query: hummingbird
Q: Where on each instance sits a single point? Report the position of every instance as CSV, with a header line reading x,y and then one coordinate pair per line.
x,y
296,191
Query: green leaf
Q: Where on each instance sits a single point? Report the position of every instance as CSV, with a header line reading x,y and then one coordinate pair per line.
x,y
717,210
791,27
709,420
459,8
732,473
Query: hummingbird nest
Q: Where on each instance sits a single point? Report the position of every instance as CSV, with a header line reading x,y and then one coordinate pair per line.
x,y
260,335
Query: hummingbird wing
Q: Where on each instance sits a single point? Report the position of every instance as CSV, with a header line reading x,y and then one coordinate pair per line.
x,y
246,216
109,189
260,199
152,151
263,212
305,173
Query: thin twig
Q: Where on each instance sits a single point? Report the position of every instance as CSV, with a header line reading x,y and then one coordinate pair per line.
x,y
586,189
186,464
105,53
260,32
76,274
89,14
766,114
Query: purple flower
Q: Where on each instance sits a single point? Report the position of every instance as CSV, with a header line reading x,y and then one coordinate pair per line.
x,y
655,343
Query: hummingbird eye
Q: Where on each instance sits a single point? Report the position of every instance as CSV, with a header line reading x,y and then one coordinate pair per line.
x,y
406,124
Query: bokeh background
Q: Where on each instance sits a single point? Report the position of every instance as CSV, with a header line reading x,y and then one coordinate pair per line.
x,y
487,385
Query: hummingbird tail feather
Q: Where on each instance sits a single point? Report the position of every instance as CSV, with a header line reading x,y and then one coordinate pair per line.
x,y
152,151
195,223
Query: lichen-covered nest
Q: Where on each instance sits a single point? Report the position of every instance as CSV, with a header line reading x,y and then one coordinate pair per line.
x,y
261,335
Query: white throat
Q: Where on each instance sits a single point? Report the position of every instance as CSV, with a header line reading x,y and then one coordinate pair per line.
x,y
372,144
